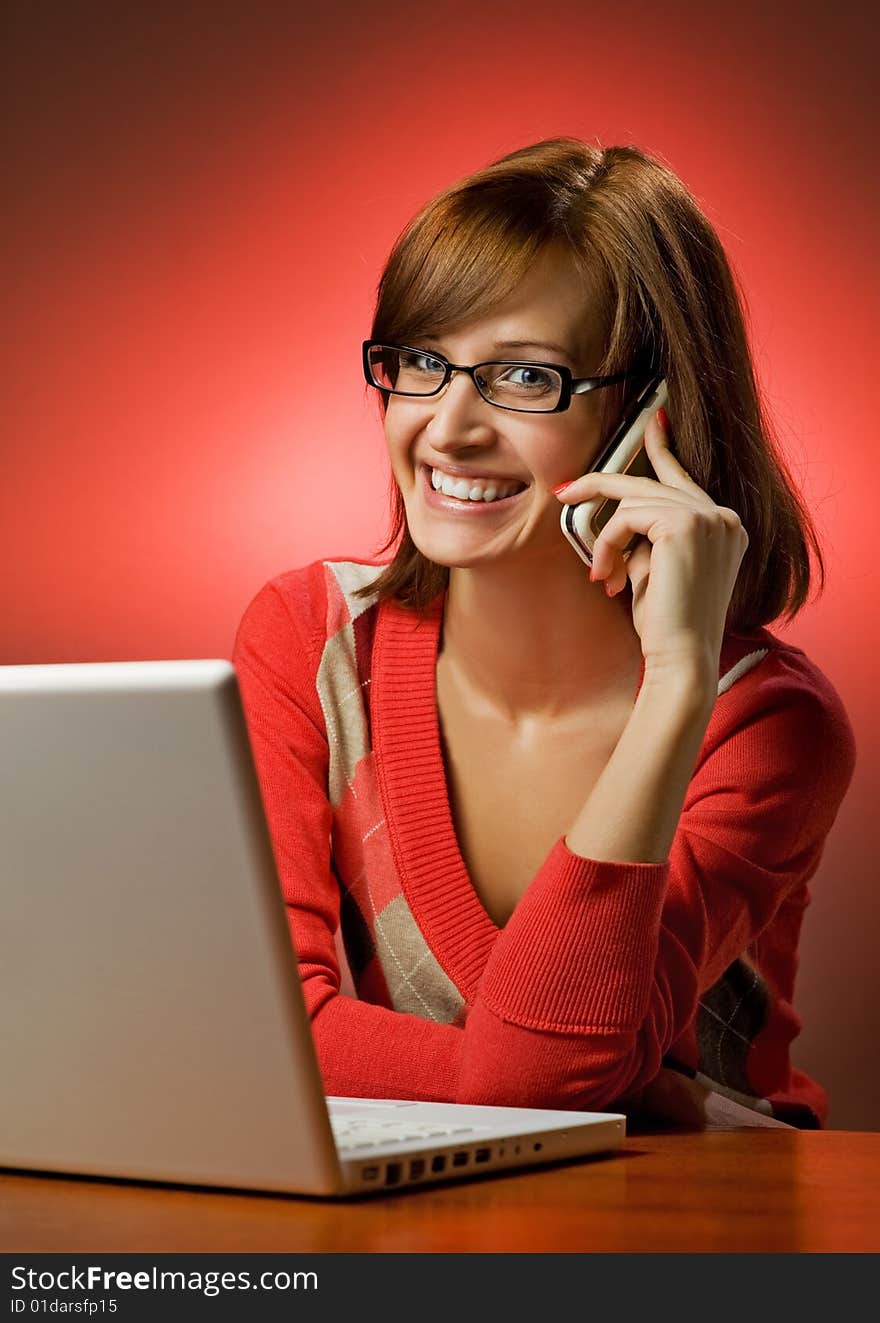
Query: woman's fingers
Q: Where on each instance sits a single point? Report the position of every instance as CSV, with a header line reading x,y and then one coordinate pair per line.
x,y
636,567
686,554
652,520
663,462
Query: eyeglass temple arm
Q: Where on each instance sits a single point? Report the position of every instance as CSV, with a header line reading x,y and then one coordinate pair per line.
x,y
593,383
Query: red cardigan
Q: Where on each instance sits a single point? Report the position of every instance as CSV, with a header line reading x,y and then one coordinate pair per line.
x,y
604,971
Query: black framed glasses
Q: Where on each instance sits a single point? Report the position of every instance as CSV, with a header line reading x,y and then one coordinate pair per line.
x,y
516,384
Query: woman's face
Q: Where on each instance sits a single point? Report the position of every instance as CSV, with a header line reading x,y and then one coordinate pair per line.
x,y
461,435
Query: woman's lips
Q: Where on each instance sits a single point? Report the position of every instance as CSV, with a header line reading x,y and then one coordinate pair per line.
x,y
451,504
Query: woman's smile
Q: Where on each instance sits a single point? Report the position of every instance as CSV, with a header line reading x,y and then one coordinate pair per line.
x,y
467,496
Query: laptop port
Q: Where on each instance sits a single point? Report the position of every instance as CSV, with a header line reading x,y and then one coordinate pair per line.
x,y
369,1173
460,1159
482,1155
417,1167
438,1163
393,1173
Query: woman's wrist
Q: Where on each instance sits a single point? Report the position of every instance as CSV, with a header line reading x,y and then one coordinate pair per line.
x,y
632,814
681,677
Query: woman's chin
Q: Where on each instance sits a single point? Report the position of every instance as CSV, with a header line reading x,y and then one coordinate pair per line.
x,y
463,548
448,556
451,547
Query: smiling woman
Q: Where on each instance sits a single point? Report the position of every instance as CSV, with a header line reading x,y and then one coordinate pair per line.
x,y
566,833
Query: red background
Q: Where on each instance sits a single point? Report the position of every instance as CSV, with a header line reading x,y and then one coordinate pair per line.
x,y
201,200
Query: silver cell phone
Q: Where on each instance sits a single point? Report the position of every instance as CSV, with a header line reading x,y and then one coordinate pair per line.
x,y
624,453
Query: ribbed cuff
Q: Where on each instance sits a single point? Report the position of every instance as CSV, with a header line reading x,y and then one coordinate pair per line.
x,y
579,949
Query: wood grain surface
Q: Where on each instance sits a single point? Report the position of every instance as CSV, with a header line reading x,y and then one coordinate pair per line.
x,y
748,1190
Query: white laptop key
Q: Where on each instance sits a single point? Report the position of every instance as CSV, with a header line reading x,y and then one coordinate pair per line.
x,y
152,1022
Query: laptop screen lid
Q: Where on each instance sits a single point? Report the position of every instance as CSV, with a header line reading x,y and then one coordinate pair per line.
x,y
151,1019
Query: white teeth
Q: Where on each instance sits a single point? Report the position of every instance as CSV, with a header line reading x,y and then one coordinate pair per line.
x,y
472,490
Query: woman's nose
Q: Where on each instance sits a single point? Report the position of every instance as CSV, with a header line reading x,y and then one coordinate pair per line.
x,y
459,414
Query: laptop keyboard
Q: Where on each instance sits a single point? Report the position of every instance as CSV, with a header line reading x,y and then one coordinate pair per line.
x,y
363,1132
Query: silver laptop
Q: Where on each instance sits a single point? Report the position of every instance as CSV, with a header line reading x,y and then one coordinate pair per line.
x,y
152,1022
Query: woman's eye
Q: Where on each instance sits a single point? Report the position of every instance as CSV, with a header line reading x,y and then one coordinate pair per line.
x,y
420,363
530,378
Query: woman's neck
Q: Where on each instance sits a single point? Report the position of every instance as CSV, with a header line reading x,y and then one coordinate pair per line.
x,y
535,638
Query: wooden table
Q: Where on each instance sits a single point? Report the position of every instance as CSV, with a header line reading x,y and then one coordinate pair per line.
x,y
742,1190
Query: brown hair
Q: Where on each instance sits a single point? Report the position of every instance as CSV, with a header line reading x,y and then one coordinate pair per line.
x,y
671,298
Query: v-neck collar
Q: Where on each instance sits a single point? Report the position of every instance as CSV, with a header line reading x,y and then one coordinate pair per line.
x,y
415,795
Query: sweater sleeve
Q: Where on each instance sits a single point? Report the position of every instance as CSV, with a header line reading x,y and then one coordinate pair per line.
x,y
601,966
363,1050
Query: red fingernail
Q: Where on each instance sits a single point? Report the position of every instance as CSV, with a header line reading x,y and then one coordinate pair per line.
x,y
664,421
562,486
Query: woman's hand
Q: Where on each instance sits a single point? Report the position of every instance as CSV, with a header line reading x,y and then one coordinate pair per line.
x,y
683,576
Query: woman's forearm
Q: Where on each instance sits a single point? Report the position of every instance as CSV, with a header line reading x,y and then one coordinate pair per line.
x,y
633,811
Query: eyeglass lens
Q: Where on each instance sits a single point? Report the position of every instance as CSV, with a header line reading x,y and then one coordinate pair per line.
x,y
512,386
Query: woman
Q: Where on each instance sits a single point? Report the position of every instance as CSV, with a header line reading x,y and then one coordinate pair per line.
x,y
566,820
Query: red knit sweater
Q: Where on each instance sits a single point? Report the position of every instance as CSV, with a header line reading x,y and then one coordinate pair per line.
x,y
604,971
